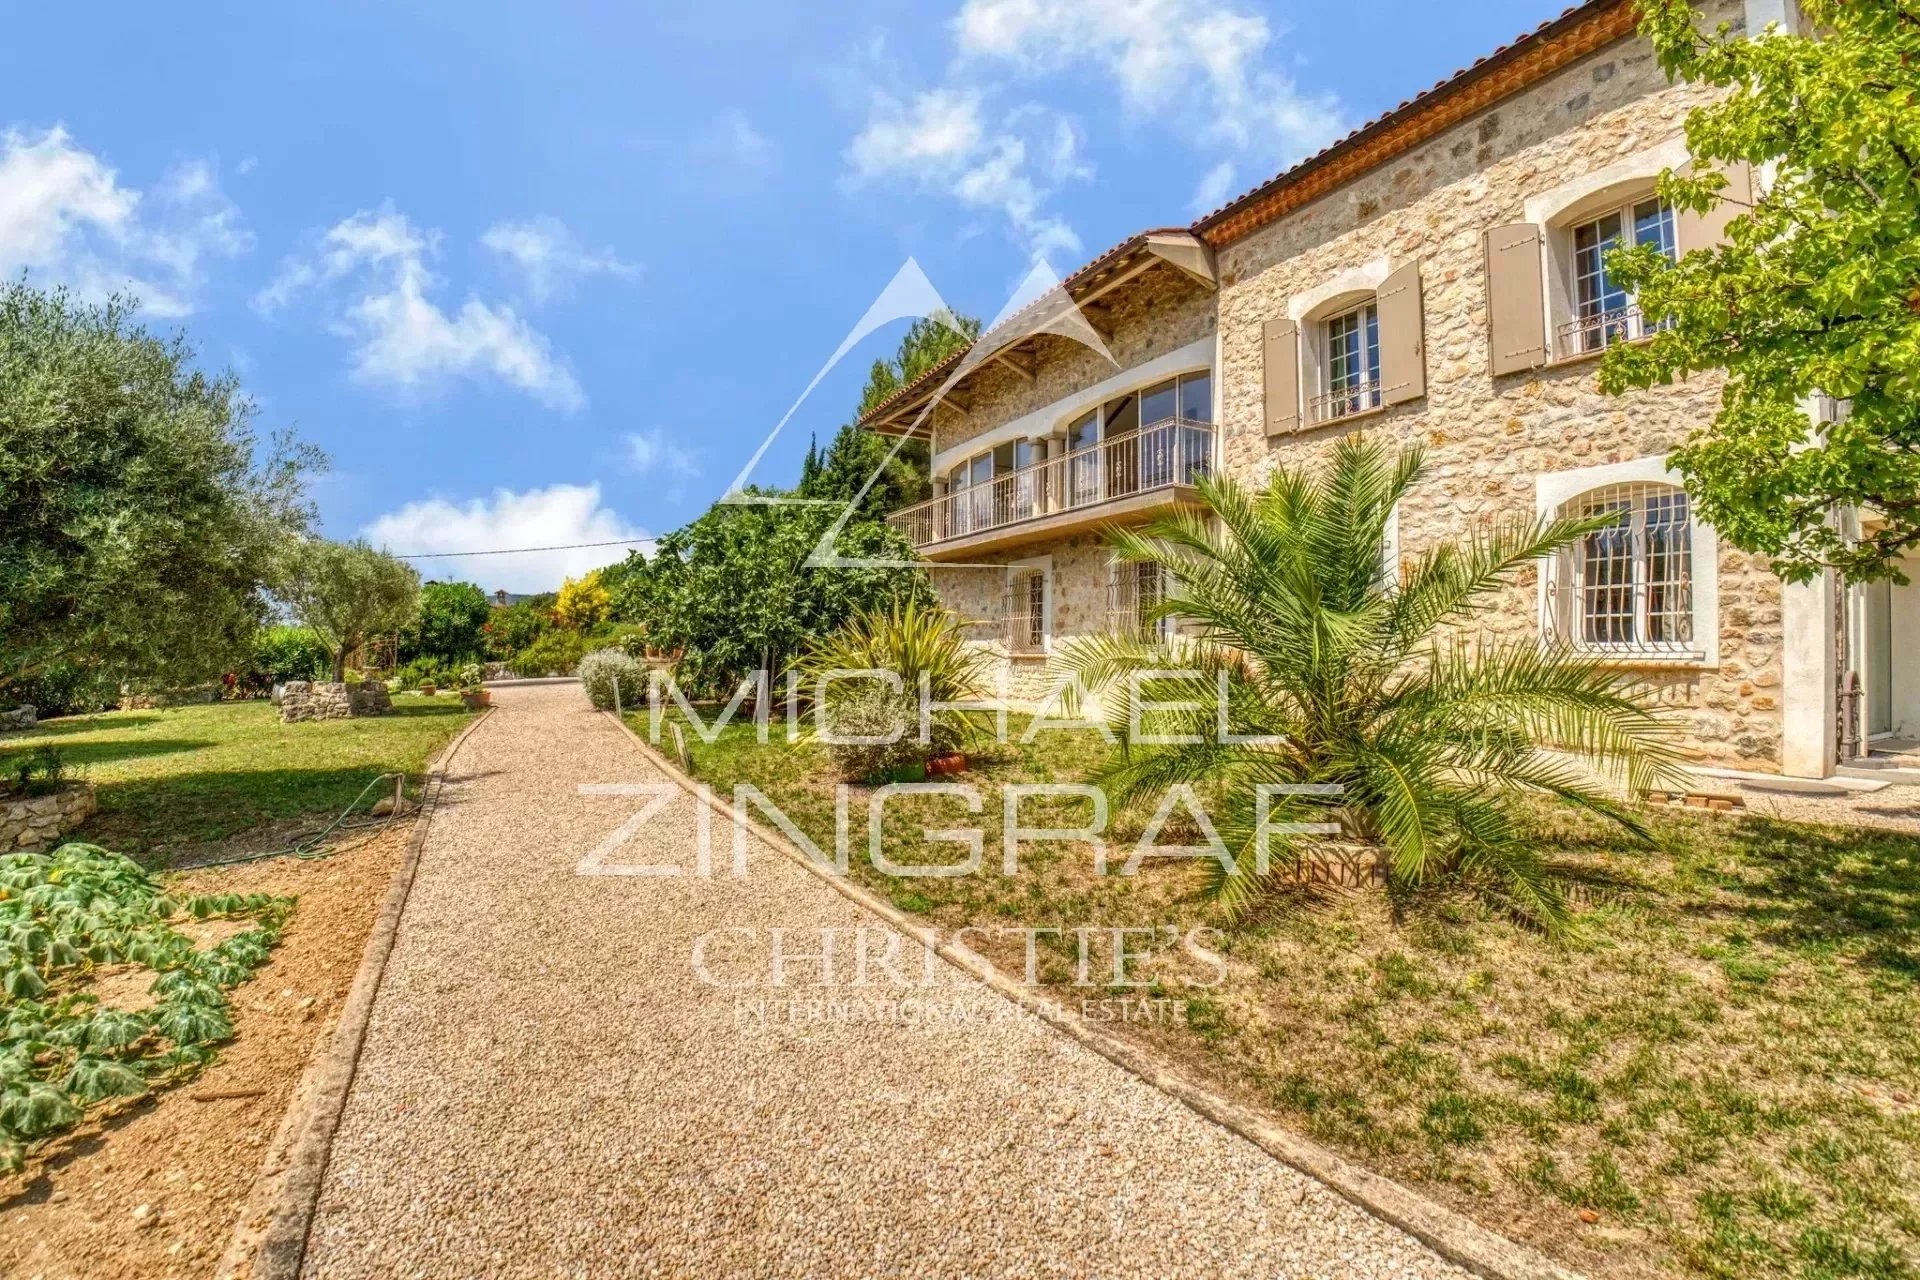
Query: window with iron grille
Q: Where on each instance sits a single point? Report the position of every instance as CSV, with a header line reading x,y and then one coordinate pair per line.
x,y
1353,363
1132,592
1027,611
1604,312
1628,586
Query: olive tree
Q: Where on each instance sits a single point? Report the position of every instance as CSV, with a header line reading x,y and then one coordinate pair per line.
x,y
347,592
139,515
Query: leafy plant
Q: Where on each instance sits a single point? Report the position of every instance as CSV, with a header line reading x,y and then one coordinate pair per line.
x,y
557,653
601,669
870,710
1342,675
281,654
40,771
914,640
472,677
65,914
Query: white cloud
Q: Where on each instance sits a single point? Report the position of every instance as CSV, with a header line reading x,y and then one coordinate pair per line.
x,y
1202,69
549,257
64,215
1197,62
401,336
649,451
1216,186
940,141
554,516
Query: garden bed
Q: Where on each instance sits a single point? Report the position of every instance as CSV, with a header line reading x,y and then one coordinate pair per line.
x,y
190,1155
1717,1073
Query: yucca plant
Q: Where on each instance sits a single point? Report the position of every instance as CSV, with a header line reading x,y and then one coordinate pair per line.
x,y
910,639
1366,683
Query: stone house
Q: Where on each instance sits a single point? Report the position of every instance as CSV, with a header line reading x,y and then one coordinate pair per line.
x,y
1435,276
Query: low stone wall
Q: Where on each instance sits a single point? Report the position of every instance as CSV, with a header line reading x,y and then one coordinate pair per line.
x,y
19,719
324,700
29,824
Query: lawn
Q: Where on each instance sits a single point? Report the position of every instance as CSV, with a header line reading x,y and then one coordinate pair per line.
x,y
1716,1075
174,778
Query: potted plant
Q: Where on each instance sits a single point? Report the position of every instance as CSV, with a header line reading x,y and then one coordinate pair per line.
x,y
428,688
472,691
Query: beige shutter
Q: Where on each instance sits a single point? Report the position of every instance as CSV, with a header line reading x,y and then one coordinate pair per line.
x,y
1403,342
1280,350
1516,309
1704,230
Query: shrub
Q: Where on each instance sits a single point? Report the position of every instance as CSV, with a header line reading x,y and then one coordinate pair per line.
x,y
512,628
281,654
869,709
64,689
583,602
601,668
40,772
448,622
424,670
557,653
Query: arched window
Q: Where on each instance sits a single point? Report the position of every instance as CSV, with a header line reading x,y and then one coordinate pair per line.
x,y
1629,586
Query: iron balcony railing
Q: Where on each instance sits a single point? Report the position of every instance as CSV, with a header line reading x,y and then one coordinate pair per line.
x,y
1345,402
1602,329
1173,452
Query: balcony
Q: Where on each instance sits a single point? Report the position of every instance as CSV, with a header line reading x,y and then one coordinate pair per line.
x,y
1111,481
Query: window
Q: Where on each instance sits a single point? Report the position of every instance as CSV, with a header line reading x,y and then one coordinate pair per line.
x,y
1603,312
1350,346
1630,583
1027,611
1132,592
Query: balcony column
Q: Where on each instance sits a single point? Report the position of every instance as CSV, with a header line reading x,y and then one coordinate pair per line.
x,y
1037,445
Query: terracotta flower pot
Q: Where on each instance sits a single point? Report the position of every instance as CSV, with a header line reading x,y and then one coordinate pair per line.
x,y
428,689
941,766
477,698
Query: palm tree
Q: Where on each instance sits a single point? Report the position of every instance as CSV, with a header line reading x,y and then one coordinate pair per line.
x,y
1364,684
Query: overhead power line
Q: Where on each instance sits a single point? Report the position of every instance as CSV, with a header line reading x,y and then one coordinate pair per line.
x,y
514,551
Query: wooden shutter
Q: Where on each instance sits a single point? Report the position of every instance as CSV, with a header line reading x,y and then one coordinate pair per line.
x,y
1403,342
1516,308
1280,350
1704,230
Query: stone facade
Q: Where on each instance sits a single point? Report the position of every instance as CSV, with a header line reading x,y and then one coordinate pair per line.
x,y
1488,439
324,700
30,824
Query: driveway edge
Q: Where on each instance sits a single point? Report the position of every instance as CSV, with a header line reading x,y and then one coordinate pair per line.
x,y
283,1245
1453,1236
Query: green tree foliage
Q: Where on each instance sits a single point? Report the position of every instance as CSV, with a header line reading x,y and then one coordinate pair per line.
x,y
1817,290
730,589
449,623
347,593
853,456
511,628
286,653
1344,678
139,516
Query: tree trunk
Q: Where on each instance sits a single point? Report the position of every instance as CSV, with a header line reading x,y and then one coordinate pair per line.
x,y
340,664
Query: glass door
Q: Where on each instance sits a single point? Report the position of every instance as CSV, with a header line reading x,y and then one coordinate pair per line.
x,y
1083,459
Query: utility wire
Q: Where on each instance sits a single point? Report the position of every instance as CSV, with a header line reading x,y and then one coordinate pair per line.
x,y
514,551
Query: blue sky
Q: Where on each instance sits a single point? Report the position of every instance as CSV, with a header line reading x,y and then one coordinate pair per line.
x,y
543,274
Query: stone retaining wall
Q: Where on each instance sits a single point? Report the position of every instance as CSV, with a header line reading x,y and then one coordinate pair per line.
x,y
325,700
18,720
29,824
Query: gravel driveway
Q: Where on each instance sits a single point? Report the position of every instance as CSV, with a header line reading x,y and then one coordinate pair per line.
x,y
548,1090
